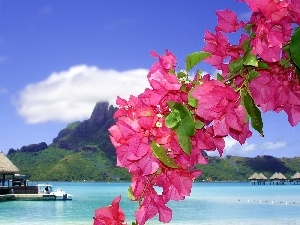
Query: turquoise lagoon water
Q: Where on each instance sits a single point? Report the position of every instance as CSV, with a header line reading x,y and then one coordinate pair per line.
x,y
209,204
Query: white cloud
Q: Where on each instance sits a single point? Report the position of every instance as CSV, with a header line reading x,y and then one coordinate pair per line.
x,y
234,148
230,143
71,95
274,145
247,147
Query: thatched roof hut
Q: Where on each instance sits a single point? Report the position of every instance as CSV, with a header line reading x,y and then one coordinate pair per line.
x,y
275,176
6,166
257,176
296,176
262,176
254,176
282,177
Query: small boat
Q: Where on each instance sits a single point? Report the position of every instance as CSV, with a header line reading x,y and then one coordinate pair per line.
x,y
61,195
47,189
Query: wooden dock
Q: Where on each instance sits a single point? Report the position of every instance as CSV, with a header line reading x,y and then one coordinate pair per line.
x,y
24,193
27,197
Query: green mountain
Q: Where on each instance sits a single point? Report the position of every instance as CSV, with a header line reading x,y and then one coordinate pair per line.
x,y
83,151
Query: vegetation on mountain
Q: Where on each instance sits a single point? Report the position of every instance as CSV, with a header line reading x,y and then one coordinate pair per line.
x,y
54,164
83,151
235,168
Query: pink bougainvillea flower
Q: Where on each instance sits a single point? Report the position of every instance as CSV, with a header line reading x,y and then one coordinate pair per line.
x,y
278,89
177,184
293,112
273,10
110,215
206,140
263,89
272,24
161,79
166,61
214,97
153,204
220,103
233,122
159,75
227,21
216,44
269,39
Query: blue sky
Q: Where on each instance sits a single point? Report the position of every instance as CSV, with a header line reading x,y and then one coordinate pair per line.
x,y
59,57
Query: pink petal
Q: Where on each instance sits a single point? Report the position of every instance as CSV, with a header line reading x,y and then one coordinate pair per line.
x,y
227,21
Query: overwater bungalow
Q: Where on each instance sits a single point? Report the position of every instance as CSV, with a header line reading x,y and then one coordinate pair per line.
x,y
257,179
277,178
7,168
18,188
295,178
10,181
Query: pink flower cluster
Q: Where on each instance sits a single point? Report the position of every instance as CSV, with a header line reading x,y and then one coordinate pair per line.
x,y
221,104
140,123
277,86
278,89
151,138
272,22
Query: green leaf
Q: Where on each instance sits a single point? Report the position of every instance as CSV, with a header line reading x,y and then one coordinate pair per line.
x,y
191,100
183,88
250,60
194,58
285,63
236,65
252,74
246,45
286,48
161,154
298,74
185,143
173,118
181,75
262,65
243,104
130,194
171,104
199,124
248,28
199,77
186,125
295,48
253,111
219,77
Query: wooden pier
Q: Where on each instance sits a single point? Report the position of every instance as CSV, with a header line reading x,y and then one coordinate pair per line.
x,y
29,197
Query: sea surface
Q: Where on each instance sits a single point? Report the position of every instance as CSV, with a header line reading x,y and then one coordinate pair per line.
x,y
209,204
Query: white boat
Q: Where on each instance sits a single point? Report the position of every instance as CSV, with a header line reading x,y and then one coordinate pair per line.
x,y
47,189
61,195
